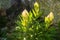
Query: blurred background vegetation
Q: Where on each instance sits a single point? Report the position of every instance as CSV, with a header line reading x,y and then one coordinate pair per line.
x,y
29,19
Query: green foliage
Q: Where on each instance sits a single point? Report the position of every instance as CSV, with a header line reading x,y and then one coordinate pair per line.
x,y
28,28
58,35
2,21
3,30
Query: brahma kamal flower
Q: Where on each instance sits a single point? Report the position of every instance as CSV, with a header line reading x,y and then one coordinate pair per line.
x,y
25,15
49,18
36,6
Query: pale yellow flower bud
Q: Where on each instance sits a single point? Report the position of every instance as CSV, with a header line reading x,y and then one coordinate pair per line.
x,y
36,4
25,14
50,17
